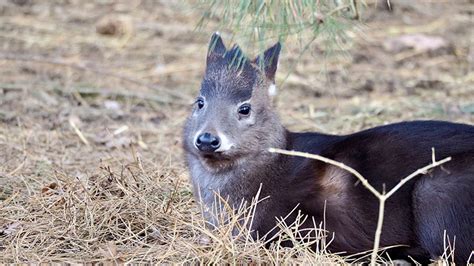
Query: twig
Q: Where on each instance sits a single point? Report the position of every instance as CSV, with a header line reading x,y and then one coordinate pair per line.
x,y
103,91
126,94
18,168
355,9
470,256
95,70
381,196
78,132
329,161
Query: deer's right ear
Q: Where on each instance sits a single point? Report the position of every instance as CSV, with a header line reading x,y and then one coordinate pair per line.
x,y
216,46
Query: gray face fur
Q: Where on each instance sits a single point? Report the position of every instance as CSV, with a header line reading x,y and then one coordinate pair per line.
x,y
232,82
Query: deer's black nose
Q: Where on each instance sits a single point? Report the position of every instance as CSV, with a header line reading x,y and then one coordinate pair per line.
x,y
207,142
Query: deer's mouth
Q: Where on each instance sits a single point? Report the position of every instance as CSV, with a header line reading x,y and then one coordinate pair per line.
x,y
217,160
215,156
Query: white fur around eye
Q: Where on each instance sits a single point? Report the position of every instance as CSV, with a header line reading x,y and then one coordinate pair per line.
x,y
272,90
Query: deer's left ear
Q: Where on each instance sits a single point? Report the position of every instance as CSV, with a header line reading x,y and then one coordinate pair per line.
x,y
269,61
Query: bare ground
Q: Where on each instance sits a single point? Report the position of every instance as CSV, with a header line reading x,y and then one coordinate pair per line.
x,y
93,97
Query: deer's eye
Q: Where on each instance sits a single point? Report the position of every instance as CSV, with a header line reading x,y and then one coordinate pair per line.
x,y
200,103
244,109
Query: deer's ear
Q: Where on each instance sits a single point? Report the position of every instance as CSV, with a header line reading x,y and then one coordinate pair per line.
x,y
216,46
269,61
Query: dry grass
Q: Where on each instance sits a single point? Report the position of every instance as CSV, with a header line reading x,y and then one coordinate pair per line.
x,y
125,196
128,215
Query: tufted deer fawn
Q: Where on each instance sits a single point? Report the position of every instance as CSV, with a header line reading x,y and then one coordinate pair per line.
x,y
232,126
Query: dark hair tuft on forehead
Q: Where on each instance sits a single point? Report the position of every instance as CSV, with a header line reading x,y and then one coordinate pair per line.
x,y
236,58
230,74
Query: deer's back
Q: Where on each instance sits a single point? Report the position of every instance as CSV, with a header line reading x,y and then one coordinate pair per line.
x,y
388,153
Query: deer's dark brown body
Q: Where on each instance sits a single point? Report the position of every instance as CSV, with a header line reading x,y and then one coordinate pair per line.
x,y
233,125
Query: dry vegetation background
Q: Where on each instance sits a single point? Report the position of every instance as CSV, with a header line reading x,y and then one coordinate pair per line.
x,y
93,96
